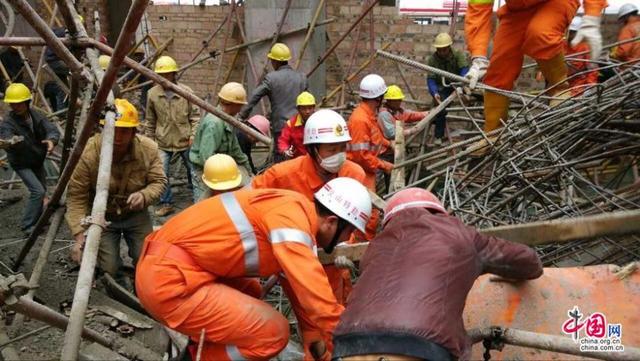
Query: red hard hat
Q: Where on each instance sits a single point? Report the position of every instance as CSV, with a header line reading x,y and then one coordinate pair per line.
x,y
412,198
260,123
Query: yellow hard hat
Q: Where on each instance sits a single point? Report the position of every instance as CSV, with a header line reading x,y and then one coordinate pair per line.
x,y
17,93
305,98
279,52
127,116
221,173
442,41
233,92
394,93
165,64
104,60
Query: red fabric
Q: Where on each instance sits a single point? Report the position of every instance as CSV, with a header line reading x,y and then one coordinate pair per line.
x,y
578,67
292,135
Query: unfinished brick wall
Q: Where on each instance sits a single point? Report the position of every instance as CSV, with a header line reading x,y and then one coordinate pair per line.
x,y
189,26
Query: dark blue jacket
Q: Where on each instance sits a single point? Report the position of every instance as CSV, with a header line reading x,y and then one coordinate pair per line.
x,y
30,153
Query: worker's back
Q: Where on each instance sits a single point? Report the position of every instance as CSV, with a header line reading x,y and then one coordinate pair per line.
x,y
284,86
415,278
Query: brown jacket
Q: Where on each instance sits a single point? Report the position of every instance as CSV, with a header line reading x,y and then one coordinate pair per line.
x,y
140,171
170,122
416,275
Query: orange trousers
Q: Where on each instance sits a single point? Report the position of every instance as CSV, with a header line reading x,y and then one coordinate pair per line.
x,y
527,27
188,299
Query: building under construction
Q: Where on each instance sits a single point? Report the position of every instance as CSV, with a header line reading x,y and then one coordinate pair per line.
x,y
558,174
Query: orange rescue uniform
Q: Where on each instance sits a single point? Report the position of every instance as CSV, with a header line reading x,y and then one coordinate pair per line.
x,y
629,51
194,273
300,175
579,84
527,27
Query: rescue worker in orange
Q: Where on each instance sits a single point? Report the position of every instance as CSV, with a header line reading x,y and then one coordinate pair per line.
x,y
193,273
393,111
290,142
325,137
628,16
527,27
579,75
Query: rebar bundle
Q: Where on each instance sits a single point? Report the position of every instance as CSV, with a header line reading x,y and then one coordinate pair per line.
x,y
574,159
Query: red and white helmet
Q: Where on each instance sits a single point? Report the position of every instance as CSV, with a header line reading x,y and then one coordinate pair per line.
x,y
348,199
411,198
260,123
325,126
372,86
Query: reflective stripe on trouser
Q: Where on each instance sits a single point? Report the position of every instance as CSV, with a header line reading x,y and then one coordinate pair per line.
x,y
537,31
188,299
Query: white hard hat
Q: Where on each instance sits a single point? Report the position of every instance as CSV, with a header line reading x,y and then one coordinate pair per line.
x,y
325,126
348,199
372,86
626,9
575,23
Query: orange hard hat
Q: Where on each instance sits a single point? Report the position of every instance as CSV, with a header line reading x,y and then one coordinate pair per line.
x,y
412,198
260,123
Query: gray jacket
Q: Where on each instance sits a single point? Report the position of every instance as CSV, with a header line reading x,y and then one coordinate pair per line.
x,y
282,87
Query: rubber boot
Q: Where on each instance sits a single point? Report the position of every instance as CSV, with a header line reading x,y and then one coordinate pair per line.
x,y
555,71
496,107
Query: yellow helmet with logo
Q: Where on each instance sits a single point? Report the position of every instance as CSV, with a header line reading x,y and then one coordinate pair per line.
x,y
221,173
233,92
394,93
104,60
17,93
442,41
127,116
279,52
165,64
305,98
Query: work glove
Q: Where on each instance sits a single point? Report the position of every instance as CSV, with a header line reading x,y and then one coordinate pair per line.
x,y
342,262
478,69
589,31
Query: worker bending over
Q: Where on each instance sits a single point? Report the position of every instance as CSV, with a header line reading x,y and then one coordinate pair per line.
x,y
325,137
393,111
628,17
290,143
534,28
580,77
415,277
137,180
194,272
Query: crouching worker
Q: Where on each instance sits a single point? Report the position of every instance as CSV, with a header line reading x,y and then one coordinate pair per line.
x,y
137,181
419,316
194,272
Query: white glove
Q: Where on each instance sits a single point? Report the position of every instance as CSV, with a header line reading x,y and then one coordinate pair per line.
x,y
477,71
342,262
589,31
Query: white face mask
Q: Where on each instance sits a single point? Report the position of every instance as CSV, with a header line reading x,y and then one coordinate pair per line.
x,y
333,163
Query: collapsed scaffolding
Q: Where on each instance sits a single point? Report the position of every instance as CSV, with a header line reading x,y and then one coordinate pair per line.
x,y
573,160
